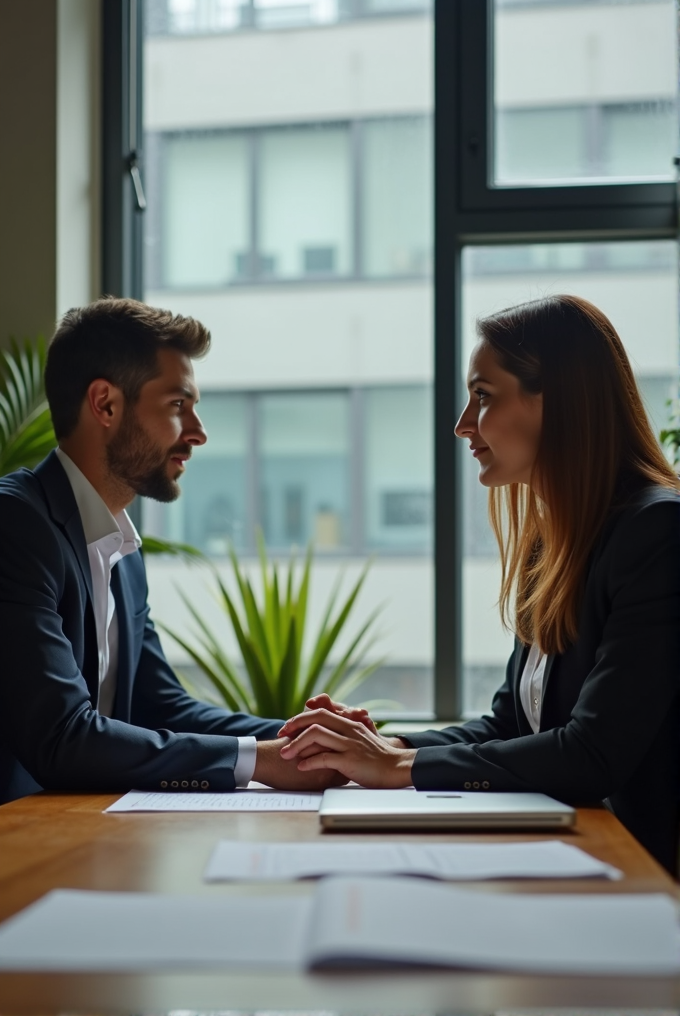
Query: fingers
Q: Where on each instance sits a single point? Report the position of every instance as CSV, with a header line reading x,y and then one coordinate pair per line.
x,y
324,701
322,760
322,717
314,739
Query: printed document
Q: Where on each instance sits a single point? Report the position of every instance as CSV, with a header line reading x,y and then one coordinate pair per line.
x,y
262,862
238,800
347,923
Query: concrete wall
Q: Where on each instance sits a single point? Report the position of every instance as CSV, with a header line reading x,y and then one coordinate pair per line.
x,y
362,69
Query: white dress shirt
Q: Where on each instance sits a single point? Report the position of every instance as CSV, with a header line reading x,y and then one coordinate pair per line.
x,y
110,538
531,687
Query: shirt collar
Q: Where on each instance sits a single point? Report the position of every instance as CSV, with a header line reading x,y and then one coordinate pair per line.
x,y
98,522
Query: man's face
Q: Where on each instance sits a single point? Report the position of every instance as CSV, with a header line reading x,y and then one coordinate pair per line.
x,y
157,434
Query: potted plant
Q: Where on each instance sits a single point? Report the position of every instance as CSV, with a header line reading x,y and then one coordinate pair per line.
x,y
281,672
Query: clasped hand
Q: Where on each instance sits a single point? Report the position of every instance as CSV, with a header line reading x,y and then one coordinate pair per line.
x,y
331,736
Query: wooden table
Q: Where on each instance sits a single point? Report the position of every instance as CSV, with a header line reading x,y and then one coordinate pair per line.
x,y
64,841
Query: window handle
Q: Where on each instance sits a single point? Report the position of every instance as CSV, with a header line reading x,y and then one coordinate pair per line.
x,y
133,166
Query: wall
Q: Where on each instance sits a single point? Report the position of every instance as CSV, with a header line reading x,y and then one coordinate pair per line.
x,y
49,170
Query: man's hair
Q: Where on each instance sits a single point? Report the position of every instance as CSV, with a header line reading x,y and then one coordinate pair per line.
x,y
115,339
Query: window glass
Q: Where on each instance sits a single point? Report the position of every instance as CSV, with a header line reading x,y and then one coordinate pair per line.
x,y
635,284
398,467
397,178
205,209
287,165
213,509
584,91
305,203
304,463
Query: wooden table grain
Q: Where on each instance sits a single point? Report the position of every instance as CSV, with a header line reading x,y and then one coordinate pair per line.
x,y
53,841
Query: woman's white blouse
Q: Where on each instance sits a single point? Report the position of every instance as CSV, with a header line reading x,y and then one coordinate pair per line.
x,y
531,687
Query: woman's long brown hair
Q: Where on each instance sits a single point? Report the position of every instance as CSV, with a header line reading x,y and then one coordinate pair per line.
x,y
596,443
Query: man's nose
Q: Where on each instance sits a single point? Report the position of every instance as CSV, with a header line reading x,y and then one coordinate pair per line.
x,y
195,433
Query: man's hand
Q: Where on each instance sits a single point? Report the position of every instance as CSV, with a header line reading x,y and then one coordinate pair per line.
x,y
324,741
274,771
356,713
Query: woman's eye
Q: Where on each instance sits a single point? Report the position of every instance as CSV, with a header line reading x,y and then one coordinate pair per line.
x,y
481,394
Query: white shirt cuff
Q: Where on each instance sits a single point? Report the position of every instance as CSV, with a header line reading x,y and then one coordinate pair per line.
x,y
245,763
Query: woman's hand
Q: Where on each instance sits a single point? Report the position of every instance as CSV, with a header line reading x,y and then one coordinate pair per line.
x,y
356,713
322,739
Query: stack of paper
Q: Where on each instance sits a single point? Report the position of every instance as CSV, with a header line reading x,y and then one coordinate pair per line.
x,y
348,923
237,861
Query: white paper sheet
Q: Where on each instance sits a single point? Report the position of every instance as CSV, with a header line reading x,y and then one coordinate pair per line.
x,y
72,930
410,921
238,800
349,922
238,861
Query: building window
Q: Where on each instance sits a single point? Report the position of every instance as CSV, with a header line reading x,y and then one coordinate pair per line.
x,y
294,465
305,203
313,203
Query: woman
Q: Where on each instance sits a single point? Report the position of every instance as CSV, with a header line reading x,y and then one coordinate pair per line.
x,y
590,551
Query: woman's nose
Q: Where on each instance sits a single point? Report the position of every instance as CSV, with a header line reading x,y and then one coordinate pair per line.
x,y
467,422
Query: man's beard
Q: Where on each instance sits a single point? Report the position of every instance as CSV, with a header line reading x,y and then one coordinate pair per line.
x,y
134,459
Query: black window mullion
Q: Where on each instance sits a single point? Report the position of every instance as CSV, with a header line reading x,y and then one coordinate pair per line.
x,y
448,557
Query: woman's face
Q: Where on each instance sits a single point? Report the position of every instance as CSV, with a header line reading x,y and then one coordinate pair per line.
x,y
501,422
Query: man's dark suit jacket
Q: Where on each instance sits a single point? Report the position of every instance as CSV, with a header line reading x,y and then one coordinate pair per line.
x,y
51,735
610,727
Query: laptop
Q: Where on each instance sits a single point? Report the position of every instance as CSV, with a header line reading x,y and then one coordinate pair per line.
x,y
356,808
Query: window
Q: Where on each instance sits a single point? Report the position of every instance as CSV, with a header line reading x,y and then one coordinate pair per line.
x,y
187,17
305,217
304,469
585,94
397,196
554,126
319,202
205,200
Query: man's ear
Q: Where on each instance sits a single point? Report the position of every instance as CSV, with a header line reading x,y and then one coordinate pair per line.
x,y
105,403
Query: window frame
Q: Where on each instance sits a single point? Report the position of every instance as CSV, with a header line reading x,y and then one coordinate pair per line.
x,y
467,211
470,211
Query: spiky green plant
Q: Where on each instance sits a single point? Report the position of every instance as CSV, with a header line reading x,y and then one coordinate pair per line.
x,y
270,632
26,434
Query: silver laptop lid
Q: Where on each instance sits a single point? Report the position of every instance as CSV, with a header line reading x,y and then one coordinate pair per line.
x,y
350,807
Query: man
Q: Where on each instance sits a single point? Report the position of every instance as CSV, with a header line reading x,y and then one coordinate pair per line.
x,y
88,701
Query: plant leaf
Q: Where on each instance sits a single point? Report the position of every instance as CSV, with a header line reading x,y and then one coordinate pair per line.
x,y
26,433
158,545
328,636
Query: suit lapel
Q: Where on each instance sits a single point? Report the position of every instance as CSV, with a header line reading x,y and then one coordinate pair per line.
x,y
64,511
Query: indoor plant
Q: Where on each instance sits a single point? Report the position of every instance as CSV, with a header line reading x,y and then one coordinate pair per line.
x,y
280,671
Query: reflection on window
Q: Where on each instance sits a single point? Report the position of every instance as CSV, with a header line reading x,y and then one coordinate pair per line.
x,y
635,284
205,199
304,469
397,167
584,91
185,17
305,202
398,468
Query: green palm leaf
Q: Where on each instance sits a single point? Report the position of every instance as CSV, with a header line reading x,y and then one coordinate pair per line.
x,y
26,433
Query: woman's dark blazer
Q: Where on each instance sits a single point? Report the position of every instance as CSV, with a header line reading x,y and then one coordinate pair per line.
x,y
610,717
